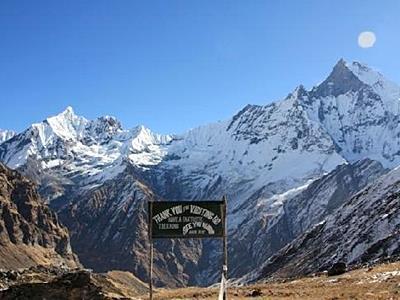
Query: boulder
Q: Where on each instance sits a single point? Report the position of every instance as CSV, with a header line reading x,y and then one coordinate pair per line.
x,y
337,269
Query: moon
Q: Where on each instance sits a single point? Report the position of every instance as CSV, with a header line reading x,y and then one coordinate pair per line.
x,y
366,39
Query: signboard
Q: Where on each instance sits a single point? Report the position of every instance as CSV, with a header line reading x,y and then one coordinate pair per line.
x,y
187,219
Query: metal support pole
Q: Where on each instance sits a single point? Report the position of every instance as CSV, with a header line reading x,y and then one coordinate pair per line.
x,y
151,271
225,246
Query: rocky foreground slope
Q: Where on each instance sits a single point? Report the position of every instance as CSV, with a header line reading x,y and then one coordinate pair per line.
x,y
30,232
375,282
38,283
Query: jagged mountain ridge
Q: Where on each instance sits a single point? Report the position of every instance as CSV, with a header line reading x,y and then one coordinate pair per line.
x,y
79,148
253,155
325,126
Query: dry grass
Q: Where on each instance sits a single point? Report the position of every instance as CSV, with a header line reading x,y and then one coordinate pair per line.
x,y
123,284
381,282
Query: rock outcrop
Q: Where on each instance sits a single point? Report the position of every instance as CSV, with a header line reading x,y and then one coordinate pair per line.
x,y
51,283
30,232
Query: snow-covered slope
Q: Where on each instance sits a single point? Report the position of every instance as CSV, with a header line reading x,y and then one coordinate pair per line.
x,y
5,135
254,149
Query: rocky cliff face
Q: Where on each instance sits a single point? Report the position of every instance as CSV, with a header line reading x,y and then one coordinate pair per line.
x,y
261,158
109,231
30,232
364,229
274,222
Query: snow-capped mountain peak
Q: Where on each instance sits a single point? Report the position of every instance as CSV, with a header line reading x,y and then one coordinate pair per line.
x,y
67,125
350,77
93,149
339,82
144,136
360,109
146,148
342,119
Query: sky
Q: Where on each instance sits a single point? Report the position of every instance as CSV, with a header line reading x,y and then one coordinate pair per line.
x,y
174,65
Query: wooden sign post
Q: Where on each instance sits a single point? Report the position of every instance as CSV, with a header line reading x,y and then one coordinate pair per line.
x,y
225,245
187,219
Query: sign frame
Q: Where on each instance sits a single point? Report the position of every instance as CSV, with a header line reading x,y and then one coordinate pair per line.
x,y
213,212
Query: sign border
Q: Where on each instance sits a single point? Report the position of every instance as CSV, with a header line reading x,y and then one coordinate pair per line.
x,y
222,204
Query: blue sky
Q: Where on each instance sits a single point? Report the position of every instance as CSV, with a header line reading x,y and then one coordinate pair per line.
x,y
173,65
